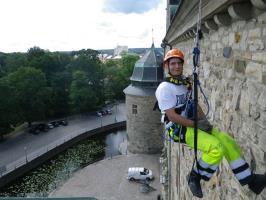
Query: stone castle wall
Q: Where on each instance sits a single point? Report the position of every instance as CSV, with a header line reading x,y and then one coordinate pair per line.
x,y
144,129
233,76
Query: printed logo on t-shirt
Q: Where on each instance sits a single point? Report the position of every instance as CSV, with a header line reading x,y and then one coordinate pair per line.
x,y
180,100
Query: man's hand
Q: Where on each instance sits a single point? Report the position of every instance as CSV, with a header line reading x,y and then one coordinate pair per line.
x,y
205,125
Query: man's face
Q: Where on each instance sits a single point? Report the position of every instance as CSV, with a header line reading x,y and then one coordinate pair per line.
x,y
176,66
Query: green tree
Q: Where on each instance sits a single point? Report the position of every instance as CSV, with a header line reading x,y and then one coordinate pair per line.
x,y
118,73
11,62
30,92
8,115
60,83
87,62
82,95
35,52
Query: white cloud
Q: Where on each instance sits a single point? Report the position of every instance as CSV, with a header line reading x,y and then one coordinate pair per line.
x,y
129,6
75,24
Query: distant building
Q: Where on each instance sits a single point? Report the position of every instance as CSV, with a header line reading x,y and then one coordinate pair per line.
x,y
119,50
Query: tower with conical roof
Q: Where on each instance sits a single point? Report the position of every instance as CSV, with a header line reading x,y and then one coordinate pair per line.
x,y
144,129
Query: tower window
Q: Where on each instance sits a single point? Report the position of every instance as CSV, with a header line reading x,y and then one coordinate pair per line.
x,y
134,109
174,2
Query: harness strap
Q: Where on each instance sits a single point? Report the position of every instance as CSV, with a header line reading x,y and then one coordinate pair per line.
x,y
186,82
176,132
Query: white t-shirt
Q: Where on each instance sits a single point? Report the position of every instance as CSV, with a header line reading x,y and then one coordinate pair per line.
x,y
170,95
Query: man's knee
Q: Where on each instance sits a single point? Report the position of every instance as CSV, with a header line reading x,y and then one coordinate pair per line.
x,y
216,153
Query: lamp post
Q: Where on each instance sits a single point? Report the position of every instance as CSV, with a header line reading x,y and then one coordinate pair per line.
x,y
101,121
115,111
25,151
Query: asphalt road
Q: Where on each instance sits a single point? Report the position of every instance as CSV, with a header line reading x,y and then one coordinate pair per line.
x,y
22,144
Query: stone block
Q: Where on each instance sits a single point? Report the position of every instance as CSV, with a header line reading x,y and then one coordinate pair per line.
x,y
254,33
225,40
236,96
238,36
255,113
230,74
262,18
221,32
253,92
260,56
255,45
243,41
206,69
254,71
263,78
231,39
219,45
214,37
240,66
227,52
262,139
264,32
236,46
214,46
238,25
247,55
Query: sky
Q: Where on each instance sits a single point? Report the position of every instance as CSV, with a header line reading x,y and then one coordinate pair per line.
x,y
66,25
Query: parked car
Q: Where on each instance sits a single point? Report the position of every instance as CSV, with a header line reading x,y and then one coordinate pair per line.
x,y
55,123
109,111
104,112
50,125
34,130
63,122
139,173
37,128
43,127
99,114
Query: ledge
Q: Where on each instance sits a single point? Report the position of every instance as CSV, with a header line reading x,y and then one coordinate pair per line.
x,y
215,13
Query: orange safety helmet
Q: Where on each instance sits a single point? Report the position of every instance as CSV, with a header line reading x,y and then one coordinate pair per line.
x,y
173,53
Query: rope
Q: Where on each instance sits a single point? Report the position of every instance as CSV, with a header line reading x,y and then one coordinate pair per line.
x,y
196,56
205,99
179,163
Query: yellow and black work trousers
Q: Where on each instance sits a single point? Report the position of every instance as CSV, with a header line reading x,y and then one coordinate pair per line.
x,y
214,146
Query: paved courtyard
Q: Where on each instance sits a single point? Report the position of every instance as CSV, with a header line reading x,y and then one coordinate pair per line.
x,y
106,179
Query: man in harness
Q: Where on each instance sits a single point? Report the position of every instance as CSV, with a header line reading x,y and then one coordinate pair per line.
x,y
173,96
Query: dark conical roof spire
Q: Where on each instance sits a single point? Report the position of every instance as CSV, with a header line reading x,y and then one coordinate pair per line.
x,y
148,69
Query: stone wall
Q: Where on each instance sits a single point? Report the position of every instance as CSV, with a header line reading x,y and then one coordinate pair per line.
x,y
144,129
233,76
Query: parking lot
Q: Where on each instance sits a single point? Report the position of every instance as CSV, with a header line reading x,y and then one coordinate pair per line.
x,y
106,179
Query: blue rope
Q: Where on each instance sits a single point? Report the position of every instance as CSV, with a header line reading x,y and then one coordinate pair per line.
x,y
205,99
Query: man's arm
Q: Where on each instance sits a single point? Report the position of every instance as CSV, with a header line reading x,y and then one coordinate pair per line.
x,y
201,114
176,118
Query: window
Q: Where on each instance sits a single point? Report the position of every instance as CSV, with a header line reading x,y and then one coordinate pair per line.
x,y
174,2
134,109
146,171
